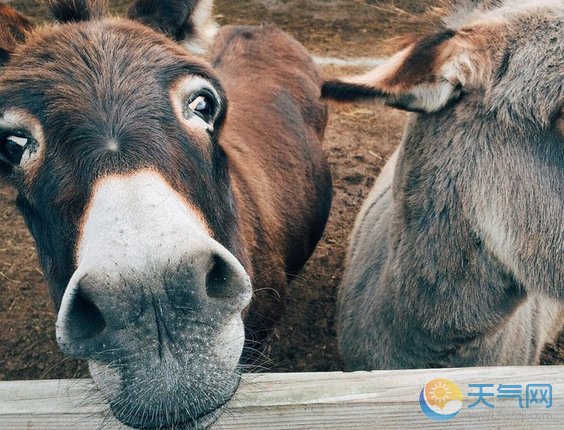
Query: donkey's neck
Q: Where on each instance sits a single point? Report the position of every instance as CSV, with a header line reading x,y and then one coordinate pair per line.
x,y
439,279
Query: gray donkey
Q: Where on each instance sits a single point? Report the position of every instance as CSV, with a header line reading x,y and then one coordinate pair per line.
x,y
457,256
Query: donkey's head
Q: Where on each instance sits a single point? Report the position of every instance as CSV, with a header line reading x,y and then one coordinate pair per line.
x,y
109,131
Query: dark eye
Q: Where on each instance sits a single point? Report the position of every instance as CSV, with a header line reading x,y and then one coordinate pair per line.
x,y
203,106
13,147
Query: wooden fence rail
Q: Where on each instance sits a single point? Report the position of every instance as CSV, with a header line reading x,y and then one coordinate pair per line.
x,y
335,400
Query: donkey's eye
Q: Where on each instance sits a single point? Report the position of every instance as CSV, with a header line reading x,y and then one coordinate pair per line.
x,y
203,106
13,147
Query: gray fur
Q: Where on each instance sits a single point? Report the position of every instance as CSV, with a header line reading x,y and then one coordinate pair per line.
x,y
457,256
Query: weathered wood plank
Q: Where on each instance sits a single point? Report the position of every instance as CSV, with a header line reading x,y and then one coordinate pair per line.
x,y
358,400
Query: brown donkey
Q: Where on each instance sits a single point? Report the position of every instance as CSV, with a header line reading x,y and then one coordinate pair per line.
x,y
162,191
457,255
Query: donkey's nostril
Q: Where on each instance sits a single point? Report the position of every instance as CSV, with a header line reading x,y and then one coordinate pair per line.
x,y
222,280
87,320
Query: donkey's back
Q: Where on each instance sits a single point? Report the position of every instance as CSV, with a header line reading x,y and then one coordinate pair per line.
x,y
273,136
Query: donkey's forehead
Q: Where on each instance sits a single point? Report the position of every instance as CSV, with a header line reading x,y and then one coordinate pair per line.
x,y
510,8
112,77
93,52
104,93
464,13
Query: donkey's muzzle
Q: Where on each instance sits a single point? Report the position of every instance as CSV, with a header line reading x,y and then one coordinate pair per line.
x,y
101,310
155,304
148,271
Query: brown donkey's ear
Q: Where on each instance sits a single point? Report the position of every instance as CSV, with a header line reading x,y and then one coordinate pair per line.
x,y
76,10
428,74
187,21
14,29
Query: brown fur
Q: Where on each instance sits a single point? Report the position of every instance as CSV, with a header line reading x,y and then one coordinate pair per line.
x,y
257,176
261,177
14,29
76,10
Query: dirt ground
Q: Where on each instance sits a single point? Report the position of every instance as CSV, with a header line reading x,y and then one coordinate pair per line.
x,y
358,141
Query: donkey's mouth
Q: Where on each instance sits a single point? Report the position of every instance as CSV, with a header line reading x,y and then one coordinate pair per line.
x,y
175,417
201,422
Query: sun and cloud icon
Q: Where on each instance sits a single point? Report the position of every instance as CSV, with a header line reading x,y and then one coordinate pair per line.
x,y
440,400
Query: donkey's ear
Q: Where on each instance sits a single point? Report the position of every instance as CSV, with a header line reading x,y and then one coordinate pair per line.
x,y
76,10
14,29
428,74
186,21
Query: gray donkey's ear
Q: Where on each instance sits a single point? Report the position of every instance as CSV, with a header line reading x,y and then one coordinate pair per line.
x,y
429,73
187,21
